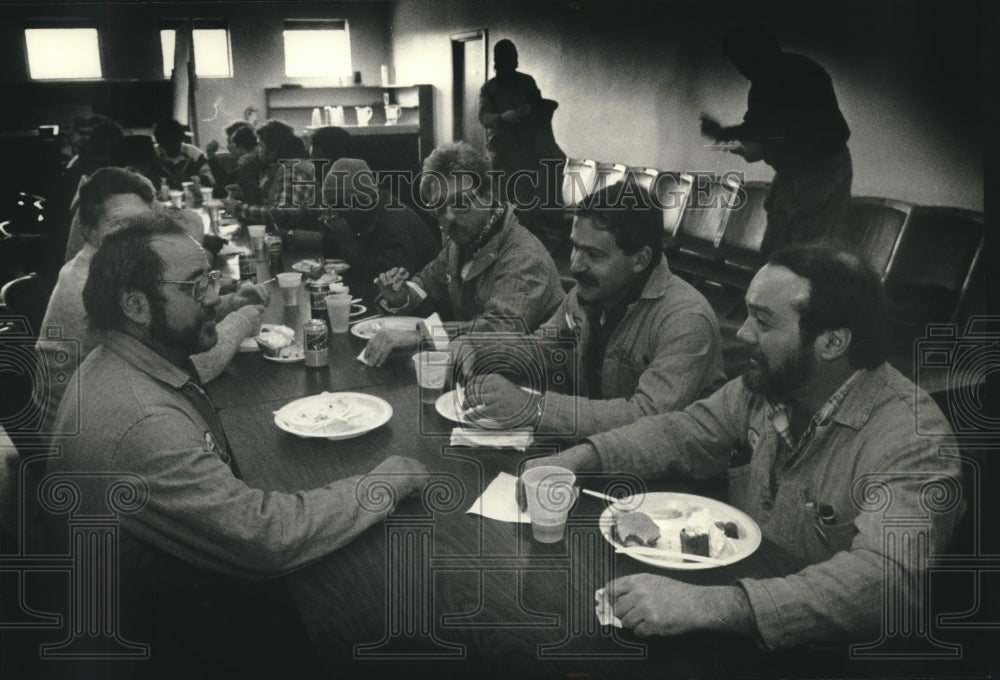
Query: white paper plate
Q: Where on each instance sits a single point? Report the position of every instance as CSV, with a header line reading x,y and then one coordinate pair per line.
x,y
357,310
294,353
319,416
663,503
366,330
449,406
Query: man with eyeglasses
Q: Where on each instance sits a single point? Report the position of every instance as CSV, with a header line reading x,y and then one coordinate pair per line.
x,y
202,533
491,270
108,200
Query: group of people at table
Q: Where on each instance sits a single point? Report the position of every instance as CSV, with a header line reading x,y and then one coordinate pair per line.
x,y
817,409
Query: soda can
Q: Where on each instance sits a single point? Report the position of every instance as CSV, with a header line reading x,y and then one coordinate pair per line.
x,y
275,256
315,342
248,268
317,298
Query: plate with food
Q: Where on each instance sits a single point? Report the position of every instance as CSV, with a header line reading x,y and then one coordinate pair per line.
x,y
337,266
678,523
277,343
367,329
333,415
449,406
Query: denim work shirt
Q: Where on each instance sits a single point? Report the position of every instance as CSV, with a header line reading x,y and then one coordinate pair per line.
x,y
866,461
143,416
510,285
665,353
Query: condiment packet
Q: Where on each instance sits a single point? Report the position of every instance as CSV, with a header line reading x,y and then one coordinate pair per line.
x,y
605,610
512,439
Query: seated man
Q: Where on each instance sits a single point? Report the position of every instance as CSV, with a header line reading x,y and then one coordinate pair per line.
x,y
647,341
239,164
818,419
369,228
151,296
491,269
108,199
180,161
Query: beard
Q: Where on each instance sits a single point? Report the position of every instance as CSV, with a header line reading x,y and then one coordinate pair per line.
x,y
197,337
779,383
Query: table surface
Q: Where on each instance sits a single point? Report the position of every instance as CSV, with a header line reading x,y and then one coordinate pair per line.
x,y
458,592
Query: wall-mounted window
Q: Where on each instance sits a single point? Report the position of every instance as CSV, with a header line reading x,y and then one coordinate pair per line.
x,y
212,55
55,53
317,48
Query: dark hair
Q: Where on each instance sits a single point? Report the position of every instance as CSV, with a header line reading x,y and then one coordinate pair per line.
x,y
505,53
109,182
244,137
125,261
332,143
456,157
167,130
99,147
844,292
233,127
281,140
627,211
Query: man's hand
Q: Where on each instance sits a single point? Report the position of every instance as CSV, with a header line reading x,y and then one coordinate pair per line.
x,y
750,151
515,115
658,605
230,204
497,398
251,294
392,286
212,148
405,474
710,127
335,227
387,341
253,314
580,458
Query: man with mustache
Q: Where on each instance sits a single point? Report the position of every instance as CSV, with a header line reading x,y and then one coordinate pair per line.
x,y
647,341
818,427
190,554
491,273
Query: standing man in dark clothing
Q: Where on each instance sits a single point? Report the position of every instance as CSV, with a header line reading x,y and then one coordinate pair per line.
x,y
518,126
793,124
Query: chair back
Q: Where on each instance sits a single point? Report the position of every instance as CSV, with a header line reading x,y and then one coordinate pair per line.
x,y
579,179
671,191
872,227
747,222
707,210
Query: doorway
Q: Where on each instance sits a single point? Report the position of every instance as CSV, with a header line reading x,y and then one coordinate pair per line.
x,y
469,73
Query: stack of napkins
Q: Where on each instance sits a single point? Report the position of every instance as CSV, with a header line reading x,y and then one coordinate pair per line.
x,y
501,439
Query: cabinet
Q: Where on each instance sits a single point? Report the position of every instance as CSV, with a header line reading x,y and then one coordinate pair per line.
x,y
401,146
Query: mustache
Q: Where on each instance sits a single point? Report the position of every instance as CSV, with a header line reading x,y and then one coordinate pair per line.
x,y
585,279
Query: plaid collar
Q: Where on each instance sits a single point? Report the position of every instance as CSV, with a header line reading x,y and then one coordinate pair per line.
x,y
777,413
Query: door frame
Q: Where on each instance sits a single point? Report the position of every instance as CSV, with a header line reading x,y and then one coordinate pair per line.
x,y
457,39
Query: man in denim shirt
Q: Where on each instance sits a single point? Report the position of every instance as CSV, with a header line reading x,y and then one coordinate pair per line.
x,y
823,435
647,342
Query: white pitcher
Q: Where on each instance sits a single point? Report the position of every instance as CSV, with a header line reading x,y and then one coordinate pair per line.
x,y
364,114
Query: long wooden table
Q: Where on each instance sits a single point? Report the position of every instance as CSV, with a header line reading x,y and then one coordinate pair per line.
x,y
433,585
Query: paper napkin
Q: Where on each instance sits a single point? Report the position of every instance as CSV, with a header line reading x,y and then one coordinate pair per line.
x,y
433,329
605,610
510,439
499,501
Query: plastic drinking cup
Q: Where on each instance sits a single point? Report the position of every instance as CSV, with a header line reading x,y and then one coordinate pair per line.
x,y
289,283
432,371
338,308
550,493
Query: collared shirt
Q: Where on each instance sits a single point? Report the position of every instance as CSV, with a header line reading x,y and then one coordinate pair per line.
x,y
777,414
274,210
664,354
140,414
510,284
190,162
868,442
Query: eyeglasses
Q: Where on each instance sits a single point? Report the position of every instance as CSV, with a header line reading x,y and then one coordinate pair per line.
x,y
201,285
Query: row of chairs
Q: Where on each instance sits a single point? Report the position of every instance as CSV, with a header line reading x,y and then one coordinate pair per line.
x,y
930,258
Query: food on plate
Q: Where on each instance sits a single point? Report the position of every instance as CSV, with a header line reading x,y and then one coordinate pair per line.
x,y
331,416
694,542
273,338
730,529
701,535
635,529
291,353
